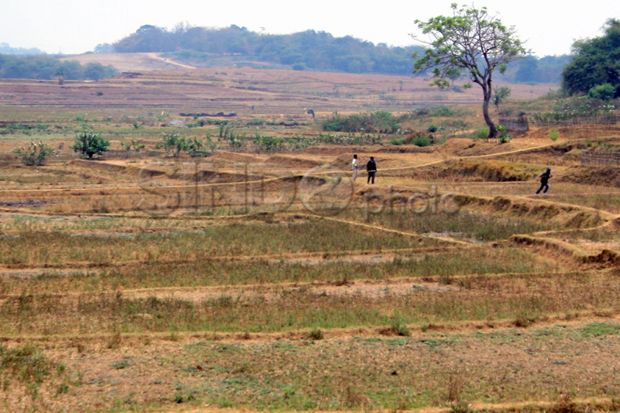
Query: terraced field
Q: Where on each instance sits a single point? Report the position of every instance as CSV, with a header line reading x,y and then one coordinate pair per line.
x,y
260,281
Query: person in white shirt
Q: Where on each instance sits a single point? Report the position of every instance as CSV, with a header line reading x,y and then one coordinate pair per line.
x,y
354,168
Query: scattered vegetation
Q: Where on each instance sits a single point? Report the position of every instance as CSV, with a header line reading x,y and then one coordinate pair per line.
x,y
34,154
376,122
134,145
26,367
174,144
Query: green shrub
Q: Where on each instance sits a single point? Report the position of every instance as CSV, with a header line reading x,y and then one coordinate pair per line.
x,y
89,143
422,141
378,122
503,134
63,388
268,143
34,154
605,91
398,326
432,129
134,145
173,143
480,133
397,141
554,135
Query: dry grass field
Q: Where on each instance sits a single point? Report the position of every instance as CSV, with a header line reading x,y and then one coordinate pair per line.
x,y
257,279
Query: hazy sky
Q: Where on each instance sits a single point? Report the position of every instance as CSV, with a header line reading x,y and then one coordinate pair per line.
x,y
75,26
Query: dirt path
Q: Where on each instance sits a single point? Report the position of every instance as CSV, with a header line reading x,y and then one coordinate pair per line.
x,y
442,238
594,404
156,56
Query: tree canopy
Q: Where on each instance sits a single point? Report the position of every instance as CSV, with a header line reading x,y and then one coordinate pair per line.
x,y
595,62
469,42
47,67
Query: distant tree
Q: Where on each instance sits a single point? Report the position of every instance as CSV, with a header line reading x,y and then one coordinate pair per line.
x,y
473,41
97,71
89,143
526,69
596,62
104,48
500,95
47,67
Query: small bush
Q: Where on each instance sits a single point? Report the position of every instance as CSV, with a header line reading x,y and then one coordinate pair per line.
x,y
63,388
481,133
524,321
134,145
316,334
399,327
554,135
397,141
378,122
173,143
89,143
268,143
432,129
422,141
34,154
503,134
605,91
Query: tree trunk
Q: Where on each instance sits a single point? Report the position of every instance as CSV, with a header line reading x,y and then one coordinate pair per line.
x,y
487,117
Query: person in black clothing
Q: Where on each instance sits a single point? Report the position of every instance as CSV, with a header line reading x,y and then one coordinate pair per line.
x,y
544,181
371,167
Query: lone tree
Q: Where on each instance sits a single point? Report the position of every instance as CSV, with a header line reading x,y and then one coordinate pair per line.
x,y
470,41
89,143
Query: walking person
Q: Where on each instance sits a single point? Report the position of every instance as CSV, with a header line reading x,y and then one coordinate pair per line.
x,y
354,168
371,167
544,181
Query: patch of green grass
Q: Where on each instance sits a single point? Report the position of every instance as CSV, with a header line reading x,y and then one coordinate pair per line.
x,y
600,329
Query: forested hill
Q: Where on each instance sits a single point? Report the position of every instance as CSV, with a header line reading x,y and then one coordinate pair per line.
x,y
6,48
309,50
